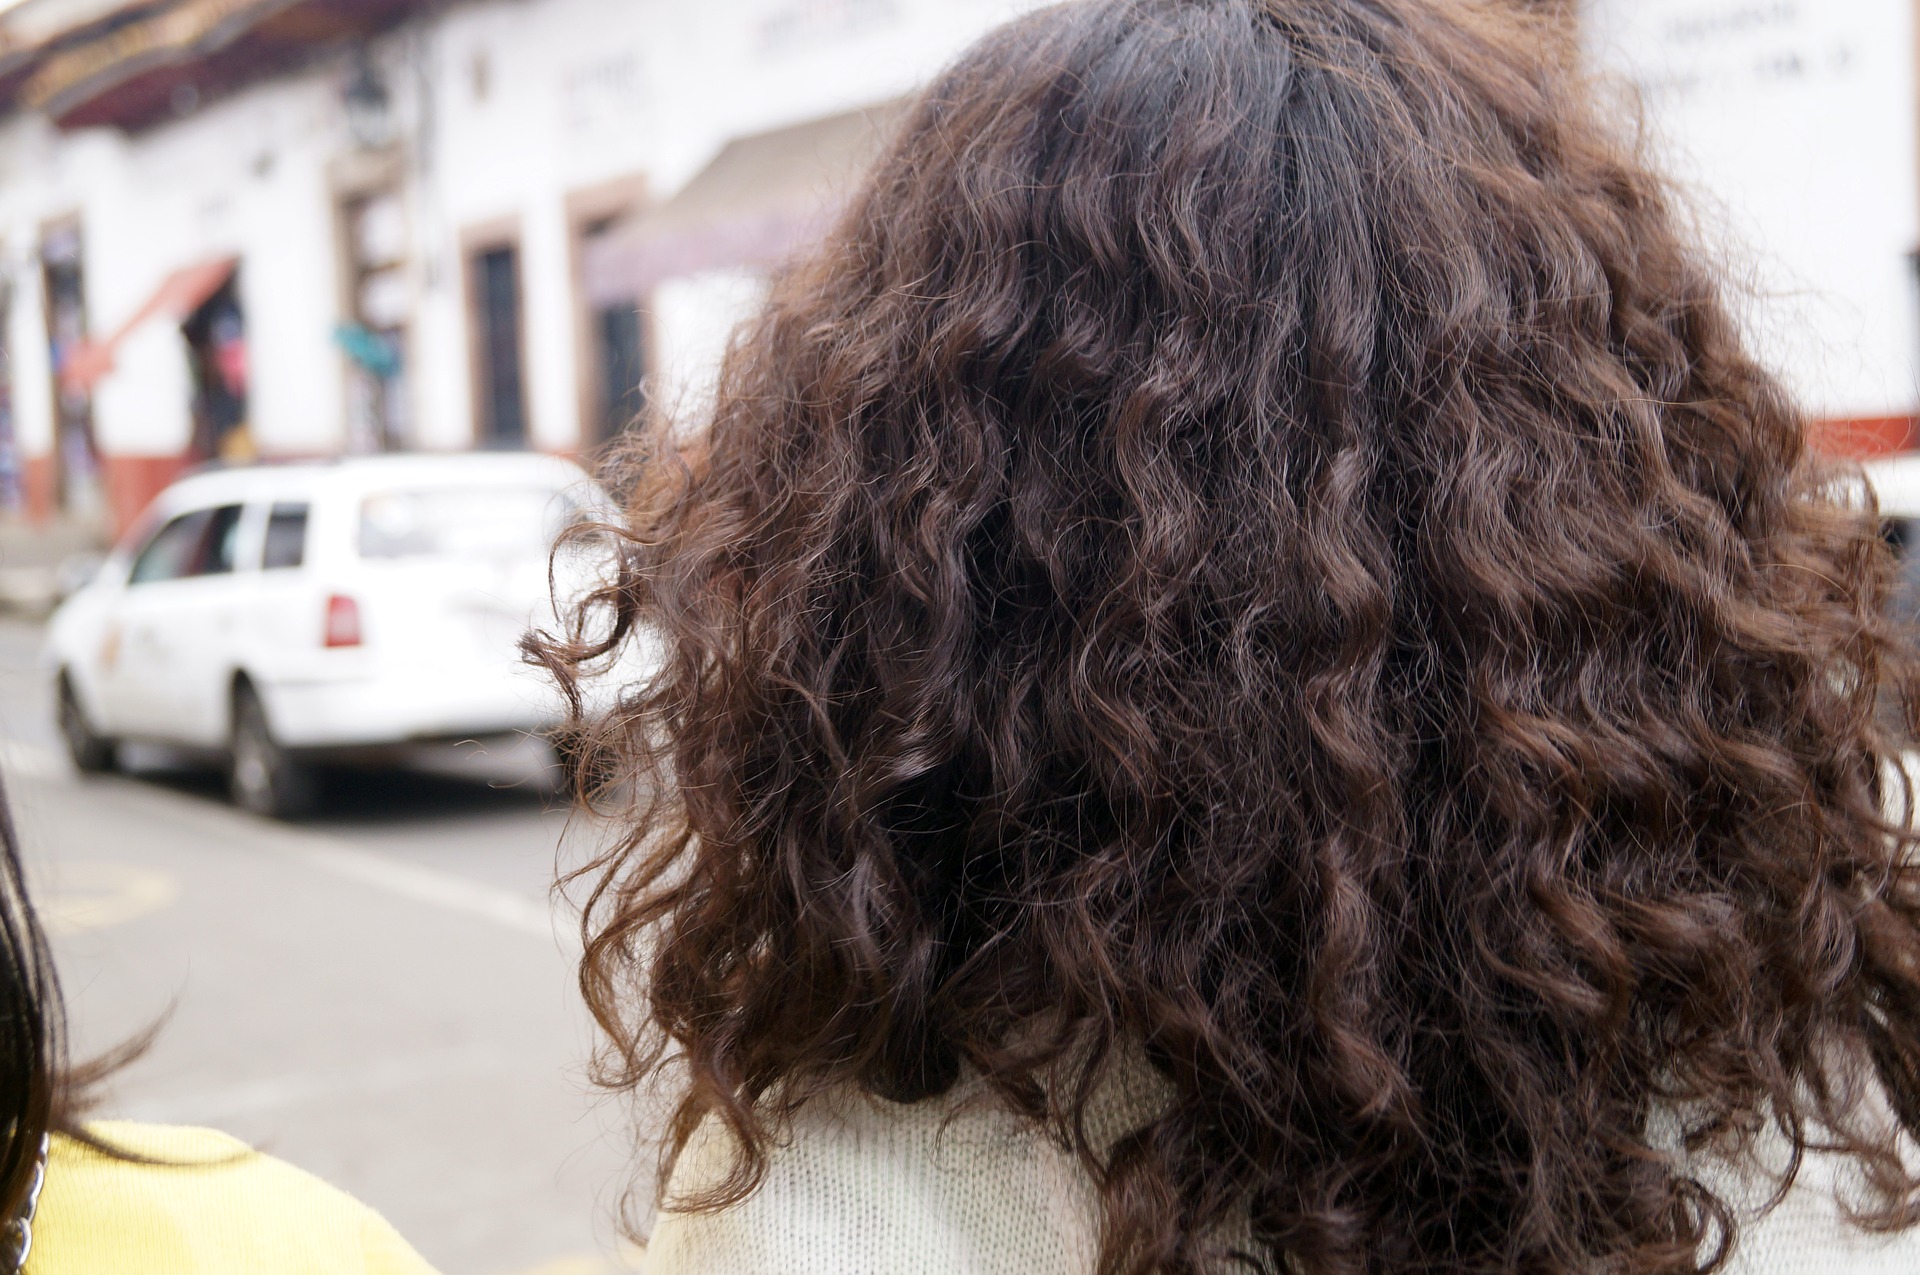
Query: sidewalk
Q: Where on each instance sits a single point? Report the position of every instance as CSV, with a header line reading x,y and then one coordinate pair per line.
x,y
30,558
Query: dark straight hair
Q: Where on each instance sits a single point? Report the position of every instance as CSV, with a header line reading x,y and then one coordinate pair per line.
x,y
32,1026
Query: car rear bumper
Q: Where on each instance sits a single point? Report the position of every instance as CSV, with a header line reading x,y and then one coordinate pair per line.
x,y
403,708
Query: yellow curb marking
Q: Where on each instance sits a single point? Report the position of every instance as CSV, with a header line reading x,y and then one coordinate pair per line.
x,y
79,898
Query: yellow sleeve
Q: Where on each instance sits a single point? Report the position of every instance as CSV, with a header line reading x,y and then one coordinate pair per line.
x,y
200,1202
385,1253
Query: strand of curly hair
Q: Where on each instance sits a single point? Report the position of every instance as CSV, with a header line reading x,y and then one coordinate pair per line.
x,y
1258,541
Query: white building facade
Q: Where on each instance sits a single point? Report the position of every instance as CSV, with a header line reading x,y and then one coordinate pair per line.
x,y
1789,126
397,224
234,228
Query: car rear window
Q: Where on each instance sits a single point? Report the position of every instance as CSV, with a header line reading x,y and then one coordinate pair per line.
x,y
463,522
286,543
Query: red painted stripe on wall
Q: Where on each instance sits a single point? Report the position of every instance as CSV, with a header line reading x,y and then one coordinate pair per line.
x,y
1862,438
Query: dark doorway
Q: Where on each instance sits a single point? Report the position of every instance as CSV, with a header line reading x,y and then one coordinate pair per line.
x,y
216,336
620,357
76,459
495,284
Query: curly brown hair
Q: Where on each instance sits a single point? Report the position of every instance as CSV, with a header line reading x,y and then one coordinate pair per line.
x,y
1257,542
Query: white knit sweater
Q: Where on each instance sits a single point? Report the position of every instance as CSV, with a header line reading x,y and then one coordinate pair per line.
x,y
872,1188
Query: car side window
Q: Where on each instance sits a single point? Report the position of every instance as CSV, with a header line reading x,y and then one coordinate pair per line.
x,y
169,554
286,546
223,539
198,543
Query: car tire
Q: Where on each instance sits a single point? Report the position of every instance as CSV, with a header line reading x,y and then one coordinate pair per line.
x,y
92,753
262,775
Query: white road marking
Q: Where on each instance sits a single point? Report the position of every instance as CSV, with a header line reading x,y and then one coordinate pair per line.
x,y
421,884
416,882
21,760
236,1100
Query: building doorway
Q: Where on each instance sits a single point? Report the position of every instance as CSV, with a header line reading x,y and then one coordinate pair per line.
x,y
620,353
216,337
617,351
611,331
374,334
494,316
76,458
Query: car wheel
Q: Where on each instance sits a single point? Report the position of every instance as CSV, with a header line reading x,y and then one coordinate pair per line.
x,y
263,776
92,752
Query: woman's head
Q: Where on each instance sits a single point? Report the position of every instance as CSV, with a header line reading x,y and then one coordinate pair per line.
x,y
1258,542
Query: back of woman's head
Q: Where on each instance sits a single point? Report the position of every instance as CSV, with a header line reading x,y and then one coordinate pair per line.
x,y
1258,545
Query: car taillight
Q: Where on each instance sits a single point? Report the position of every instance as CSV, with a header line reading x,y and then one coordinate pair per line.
x,y
343,621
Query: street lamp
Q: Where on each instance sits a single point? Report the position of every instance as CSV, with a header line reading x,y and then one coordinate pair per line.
x,y
369,106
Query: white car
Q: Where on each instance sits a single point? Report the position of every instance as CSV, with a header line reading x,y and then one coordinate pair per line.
x,y
282,614
1896,485
1895,481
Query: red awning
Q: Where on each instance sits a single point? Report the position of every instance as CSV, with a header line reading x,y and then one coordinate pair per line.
x,y
177,297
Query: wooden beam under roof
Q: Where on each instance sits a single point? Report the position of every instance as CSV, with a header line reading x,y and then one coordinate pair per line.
x,y
139,72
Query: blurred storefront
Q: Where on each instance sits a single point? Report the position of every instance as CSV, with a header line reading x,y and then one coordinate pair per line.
x,y
238,228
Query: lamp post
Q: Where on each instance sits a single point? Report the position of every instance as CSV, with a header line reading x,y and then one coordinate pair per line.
x,y
369,106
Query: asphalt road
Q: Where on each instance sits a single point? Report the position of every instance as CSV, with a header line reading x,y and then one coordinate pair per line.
x,y
383,996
